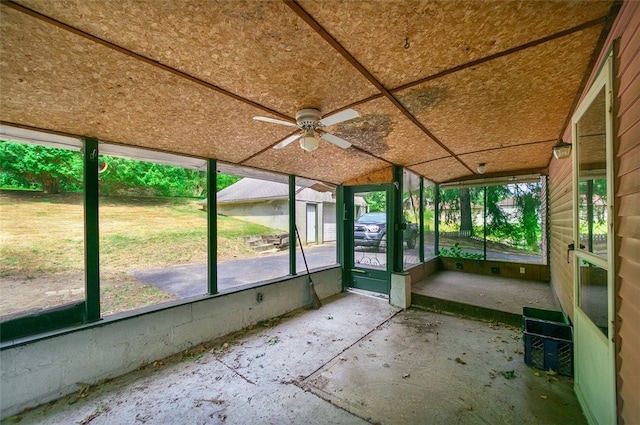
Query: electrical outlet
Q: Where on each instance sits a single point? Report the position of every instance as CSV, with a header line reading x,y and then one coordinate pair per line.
x,y
521,270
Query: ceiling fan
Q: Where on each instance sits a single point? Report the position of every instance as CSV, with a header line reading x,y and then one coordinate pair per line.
x,y
310,121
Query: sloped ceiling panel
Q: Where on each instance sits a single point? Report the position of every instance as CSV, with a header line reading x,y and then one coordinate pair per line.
x,y
441,170
54,79
328,163
187,77
258,50
512,158
384,131
517,99
415,39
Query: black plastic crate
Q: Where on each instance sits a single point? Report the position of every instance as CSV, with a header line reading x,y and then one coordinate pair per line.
x,y
549,346
541,315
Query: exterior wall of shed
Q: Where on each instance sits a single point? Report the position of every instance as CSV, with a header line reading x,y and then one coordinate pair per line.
x,y
626,29
49,366
272,213
301,221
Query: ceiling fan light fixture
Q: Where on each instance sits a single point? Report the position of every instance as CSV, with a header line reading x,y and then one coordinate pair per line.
x,y
308,141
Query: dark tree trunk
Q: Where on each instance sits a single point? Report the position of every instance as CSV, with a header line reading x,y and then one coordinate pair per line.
x,y
50,185
466,224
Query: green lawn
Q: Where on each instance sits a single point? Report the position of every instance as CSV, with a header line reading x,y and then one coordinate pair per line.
x,y
42,245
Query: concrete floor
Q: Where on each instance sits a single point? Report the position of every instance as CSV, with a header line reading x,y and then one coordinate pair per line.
x,y
357,360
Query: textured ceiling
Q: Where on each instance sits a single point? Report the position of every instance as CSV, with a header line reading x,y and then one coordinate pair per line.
x,y
440,85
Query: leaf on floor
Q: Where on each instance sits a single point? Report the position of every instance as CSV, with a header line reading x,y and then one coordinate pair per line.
x,y
459,360
99,411
508,374
272,340
551,372
406,375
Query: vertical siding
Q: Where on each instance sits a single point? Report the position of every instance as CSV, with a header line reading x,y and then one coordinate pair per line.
x,y
561,231
627,152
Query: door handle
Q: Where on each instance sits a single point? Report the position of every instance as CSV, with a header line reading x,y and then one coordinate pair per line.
x,y
572,247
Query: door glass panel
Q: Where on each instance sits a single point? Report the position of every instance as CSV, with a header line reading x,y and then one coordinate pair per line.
x,y
429,220
411,216
592,295
592,185
370,230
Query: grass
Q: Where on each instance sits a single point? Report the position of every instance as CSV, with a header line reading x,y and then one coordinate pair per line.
x,y
42,244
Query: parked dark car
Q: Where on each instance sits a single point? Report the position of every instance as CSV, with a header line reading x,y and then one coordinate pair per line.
x,y
371,230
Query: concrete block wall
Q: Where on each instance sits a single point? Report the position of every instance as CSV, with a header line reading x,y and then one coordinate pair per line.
x,y
46,368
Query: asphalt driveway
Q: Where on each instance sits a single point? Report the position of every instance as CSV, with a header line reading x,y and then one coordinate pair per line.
x,y
191,279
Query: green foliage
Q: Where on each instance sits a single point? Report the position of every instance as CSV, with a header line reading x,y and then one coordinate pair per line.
x,y
529,205
517,223
225,180
131,177
51,170
377,201
457,252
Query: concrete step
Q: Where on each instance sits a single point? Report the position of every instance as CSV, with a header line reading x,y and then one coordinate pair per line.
x,y
465,310
264,247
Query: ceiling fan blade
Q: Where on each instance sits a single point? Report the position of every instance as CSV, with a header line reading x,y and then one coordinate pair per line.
x,y
335,140
286,141
275,121
347,114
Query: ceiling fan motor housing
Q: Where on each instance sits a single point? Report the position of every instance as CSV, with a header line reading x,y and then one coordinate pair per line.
x,y
308,119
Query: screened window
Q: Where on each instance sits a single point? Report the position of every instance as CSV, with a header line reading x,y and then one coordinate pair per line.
x,y
253,227
502,222
316,224
41,228
153,233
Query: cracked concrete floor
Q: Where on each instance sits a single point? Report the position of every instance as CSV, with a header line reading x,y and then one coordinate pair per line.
x,y
357,360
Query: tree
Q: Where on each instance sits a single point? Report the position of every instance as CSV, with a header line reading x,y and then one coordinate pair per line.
x,y
225,180
125,176
529,203
50,169
377,201
497,220
466,222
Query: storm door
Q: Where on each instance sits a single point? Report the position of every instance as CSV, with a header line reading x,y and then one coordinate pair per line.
x,y
366,224
594,361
